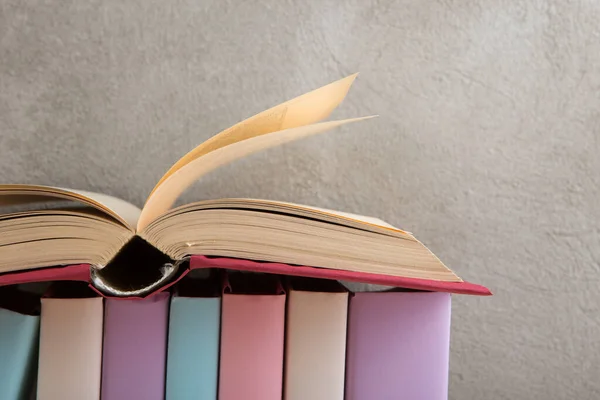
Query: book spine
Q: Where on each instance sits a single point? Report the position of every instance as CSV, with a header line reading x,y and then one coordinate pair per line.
x,y
18,353
252,336
193,349
136,271
135,340
70,356
398,346
315,345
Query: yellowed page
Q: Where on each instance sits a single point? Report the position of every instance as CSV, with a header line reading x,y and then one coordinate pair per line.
x,y
332,216
307,109
125,213
167,193
362,218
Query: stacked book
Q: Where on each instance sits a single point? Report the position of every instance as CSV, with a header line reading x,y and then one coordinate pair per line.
x,y
227,299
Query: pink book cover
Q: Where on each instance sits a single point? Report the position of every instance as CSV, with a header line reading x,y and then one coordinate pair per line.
x,y
252,339
199,261
81,272
398,346
135,348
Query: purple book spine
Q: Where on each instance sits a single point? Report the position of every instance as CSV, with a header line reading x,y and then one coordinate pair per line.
x,y
398,346
134,353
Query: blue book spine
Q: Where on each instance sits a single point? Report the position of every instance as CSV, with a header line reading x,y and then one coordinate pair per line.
x,y
193,348
18,354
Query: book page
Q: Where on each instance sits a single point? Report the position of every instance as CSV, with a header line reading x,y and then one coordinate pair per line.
x,y
167,193
123,212
307,109
311,212
362,218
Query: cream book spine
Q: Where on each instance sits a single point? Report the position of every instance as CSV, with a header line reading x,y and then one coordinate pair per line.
x,y
70,360
316,345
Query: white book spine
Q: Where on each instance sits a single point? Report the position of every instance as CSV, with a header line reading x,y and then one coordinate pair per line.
x,y
70,360
316,345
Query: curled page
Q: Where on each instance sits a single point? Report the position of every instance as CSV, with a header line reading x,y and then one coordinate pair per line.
x,y
307,109
167,193
120,210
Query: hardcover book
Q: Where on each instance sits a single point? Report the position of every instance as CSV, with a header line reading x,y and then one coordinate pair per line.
x,y
126,251
194,335
19,328
252,339
135,348
70,354
315,347
398,346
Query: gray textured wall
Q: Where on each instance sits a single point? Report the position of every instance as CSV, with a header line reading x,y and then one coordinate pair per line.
x,y
486,148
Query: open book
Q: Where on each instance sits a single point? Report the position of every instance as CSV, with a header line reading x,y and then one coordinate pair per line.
x,y
42,226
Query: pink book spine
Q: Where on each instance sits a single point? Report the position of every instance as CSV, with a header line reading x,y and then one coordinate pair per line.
x,y
252,335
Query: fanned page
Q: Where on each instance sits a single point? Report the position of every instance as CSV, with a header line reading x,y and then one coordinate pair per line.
x,y
167,193
289,121
303,110
121,211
